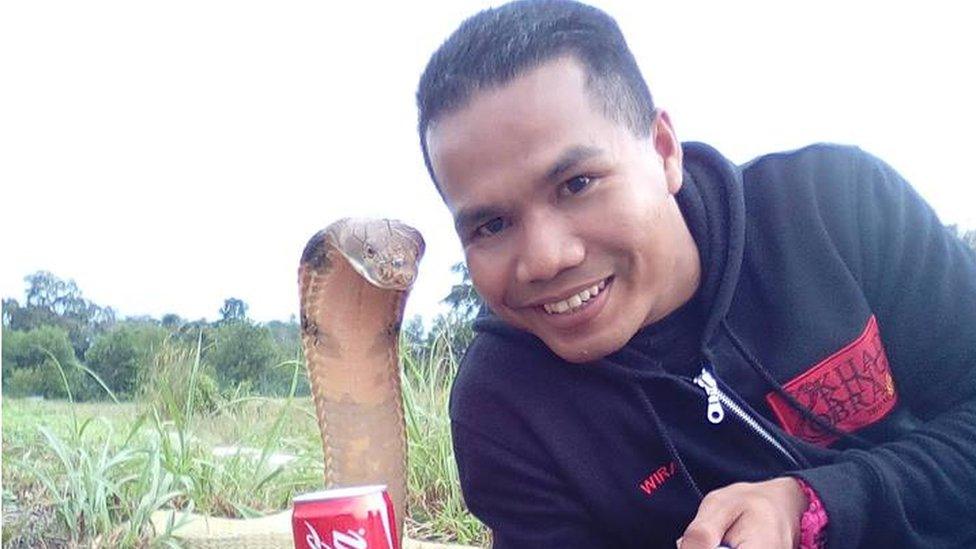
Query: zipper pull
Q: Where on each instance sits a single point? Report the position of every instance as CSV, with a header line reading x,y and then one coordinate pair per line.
x,y
715,413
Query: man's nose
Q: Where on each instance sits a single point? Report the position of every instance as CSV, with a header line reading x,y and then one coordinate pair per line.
x,y
548,247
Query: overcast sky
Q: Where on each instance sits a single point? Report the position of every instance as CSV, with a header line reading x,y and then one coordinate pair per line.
x,y
168,155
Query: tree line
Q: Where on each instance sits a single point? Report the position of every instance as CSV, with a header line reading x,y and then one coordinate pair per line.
x,y
58,336
58,341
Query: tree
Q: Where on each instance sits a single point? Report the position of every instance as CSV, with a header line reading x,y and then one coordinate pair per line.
x,y
288,347
47,291
52,301
10,308
30,364
189,331
413,332
453,331
463,299
172,321
241,352
120,357
413,339
233,309
455,328
287,336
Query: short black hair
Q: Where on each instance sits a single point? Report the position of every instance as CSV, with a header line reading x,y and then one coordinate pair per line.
x,y
496,45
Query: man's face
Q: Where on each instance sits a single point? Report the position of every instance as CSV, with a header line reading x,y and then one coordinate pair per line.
x,y
568,220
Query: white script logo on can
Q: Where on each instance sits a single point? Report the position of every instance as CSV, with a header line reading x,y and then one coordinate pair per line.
x,y
359,517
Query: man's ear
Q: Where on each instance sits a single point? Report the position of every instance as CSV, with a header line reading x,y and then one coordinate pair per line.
x,y
669,149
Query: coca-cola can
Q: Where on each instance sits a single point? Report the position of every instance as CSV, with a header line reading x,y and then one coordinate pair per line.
x,y
359,517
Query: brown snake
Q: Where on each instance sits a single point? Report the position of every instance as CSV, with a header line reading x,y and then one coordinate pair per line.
x,y
353,280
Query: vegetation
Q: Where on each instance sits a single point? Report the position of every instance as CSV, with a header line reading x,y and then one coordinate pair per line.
x,y
29,359
133,409
95,348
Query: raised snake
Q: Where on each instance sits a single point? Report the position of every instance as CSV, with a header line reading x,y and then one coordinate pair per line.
x,y
354,279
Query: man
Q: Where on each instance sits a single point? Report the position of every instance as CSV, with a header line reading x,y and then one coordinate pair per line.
x,y
776,355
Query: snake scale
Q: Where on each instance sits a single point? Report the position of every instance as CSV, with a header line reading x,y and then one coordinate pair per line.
x,y
354,279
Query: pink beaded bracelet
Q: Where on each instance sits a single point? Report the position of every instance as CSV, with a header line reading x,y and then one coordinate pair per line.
x,y
813,522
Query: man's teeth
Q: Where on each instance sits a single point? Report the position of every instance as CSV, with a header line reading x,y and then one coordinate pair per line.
x,y
575,301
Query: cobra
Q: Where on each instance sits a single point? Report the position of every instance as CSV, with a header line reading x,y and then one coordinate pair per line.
x,y
354,279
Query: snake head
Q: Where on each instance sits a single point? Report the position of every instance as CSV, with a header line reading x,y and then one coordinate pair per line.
x,y
386,252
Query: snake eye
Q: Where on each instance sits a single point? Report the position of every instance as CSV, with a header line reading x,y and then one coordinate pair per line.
x,y
369,252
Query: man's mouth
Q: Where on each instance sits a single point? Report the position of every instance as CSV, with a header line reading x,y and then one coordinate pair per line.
x,y
576,301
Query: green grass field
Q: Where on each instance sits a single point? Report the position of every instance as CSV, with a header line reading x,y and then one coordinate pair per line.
x,y
91,474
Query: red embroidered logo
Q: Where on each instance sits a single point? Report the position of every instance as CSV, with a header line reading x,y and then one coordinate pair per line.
x,y
654,480
850,389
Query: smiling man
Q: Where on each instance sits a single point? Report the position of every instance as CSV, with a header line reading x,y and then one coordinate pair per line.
x,y
534,171
781,354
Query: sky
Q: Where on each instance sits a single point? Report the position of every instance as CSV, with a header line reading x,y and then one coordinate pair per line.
x,y
169,155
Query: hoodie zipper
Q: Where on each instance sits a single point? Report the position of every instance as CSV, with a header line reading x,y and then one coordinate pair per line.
x,y
719,401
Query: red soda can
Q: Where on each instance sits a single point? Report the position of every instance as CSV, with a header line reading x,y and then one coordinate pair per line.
x,y
359,517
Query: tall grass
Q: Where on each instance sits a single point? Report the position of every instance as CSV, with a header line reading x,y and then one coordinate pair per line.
x,y
93,474
96,489
177,385
434,495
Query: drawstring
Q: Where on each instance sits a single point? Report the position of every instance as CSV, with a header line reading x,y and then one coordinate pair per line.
x,y
607,364
803,410
668,444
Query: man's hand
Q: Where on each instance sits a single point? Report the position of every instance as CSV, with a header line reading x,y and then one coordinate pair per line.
x,y
760,515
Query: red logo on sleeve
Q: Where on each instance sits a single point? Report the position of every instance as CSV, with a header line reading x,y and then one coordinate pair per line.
x,y
850,389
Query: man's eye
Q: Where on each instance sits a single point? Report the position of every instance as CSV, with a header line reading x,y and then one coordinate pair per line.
x,y
490,228
577,184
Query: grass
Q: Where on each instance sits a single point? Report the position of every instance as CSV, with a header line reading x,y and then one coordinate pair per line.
x,y
91,474
434,494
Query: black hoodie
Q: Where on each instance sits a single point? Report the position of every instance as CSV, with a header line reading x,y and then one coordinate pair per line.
x,y
837,317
